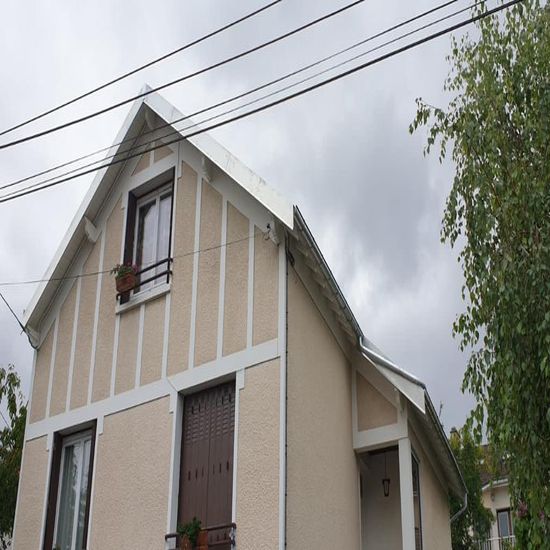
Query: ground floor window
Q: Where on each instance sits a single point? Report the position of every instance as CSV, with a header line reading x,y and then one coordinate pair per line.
x,y
69,498
504,521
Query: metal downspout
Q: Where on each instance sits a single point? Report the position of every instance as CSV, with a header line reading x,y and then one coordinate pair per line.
x,y
462,510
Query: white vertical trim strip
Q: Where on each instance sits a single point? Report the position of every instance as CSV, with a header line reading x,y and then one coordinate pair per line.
x,y
96,316
140,345
174,480
282,392
115,356
239,385
73,343
166,336
406,493
52,365
195,273
250,310
221,297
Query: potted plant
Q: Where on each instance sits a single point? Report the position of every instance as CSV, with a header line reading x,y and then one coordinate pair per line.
x,y
189,533
125,277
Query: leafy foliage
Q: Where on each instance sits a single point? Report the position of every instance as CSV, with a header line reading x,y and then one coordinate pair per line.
x,y
474,524
497,127
191,529
11,448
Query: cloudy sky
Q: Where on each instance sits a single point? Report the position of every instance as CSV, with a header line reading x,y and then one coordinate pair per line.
x,y
342,153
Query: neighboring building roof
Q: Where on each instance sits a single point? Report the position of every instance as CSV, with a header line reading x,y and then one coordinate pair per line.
x,y
493,472
288,215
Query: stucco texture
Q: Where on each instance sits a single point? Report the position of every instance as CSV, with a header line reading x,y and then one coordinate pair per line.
x,y
236,282
323,509
63,354
266,288
209,275
106,320
125,376
373,409
130,494
41,378
434,502
84,330
30,505
153,339
496,498
181,290
258,465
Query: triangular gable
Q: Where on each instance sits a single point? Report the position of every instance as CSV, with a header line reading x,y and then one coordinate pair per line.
x,y
103,181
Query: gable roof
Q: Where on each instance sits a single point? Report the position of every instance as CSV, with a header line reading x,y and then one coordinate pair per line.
x,y
104,181
290,216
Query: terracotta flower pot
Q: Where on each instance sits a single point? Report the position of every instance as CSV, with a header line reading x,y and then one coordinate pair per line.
x,y
126,282
202,540
186,543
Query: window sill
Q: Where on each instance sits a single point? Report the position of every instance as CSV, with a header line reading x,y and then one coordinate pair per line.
x,y
142,297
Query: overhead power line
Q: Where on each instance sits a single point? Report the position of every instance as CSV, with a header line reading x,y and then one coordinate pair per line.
x,y
182,78
294,95
248,92
18,321
141,67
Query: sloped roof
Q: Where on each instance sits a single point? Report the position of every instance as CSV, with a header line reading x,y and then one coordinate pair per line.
x,y
288,215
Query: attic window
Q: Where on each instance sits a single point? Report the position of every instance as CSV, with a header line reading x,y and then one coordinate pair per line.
x,y
148,236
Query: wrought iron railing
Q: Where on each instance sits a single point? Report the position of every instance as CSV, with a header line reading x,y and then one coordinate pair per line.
x,y
498,543
167,272
219,537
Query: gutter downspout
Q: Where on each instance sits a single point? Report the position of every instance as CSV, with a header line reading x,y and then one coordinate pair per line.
x,y
462,510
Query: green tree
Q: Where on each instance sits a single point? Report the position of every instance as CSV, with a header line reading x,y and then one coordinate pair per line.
x,y
11,448
474,524
497,130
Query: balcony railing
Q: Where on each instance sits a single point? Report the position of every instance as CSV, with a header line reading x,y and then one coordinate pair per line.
x,y
220,537
167,272
498,543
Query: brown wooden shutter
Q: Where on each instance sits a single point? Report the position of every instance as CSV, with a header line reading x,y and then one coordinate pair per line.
x,y
206,469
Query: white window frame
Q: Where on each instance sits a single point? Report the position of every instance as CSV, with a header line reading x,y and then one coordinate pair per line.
x,y
154,196
67,441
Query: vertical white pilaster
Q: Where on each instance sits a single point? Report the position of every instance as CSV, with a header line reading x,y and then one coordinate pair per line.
x,y
406,490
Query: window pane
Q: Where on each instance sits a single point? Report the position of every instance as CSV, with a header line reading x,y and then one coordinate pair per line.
x,y
73,495
67,499
504,523
163,250
146,233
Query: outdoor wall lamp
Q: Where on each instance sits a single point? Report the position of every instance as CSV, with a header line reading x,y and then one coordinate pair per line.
x,y
386,480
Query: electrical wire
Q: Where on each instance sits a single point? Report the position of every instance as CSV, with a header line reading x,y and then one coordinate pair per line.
x,y
182,78
105,271
308,89
249,92
141,67
18,321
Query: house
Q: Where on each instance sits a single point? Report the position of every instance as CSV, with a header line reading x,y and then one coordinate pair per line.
x,y
233,385
495,495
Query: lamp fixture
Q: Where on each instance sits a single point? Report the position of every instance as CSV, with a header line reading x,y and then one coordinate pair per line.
x,y
386,480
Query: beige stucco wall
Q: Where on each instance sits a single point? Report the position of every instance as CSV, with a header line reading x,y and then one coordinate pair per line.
x,y
236,282
131,481
125,375
209,275
258,460
181,291
41,378
106,319
373,409
32,490
323,509
63,354
380,515
436,525
84,330
153,339
266,288
496,498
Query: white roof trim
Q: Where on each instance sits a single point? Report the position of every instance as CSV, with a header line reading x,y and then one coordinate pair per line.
x,y
208,146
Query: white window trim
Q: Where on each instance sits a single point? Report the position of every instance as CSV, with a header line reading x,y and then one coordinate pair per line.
x,y
153,196
67,441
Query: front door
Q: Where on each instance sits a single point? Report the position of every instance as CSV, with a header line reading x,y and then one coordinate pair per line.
x,y
206,471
